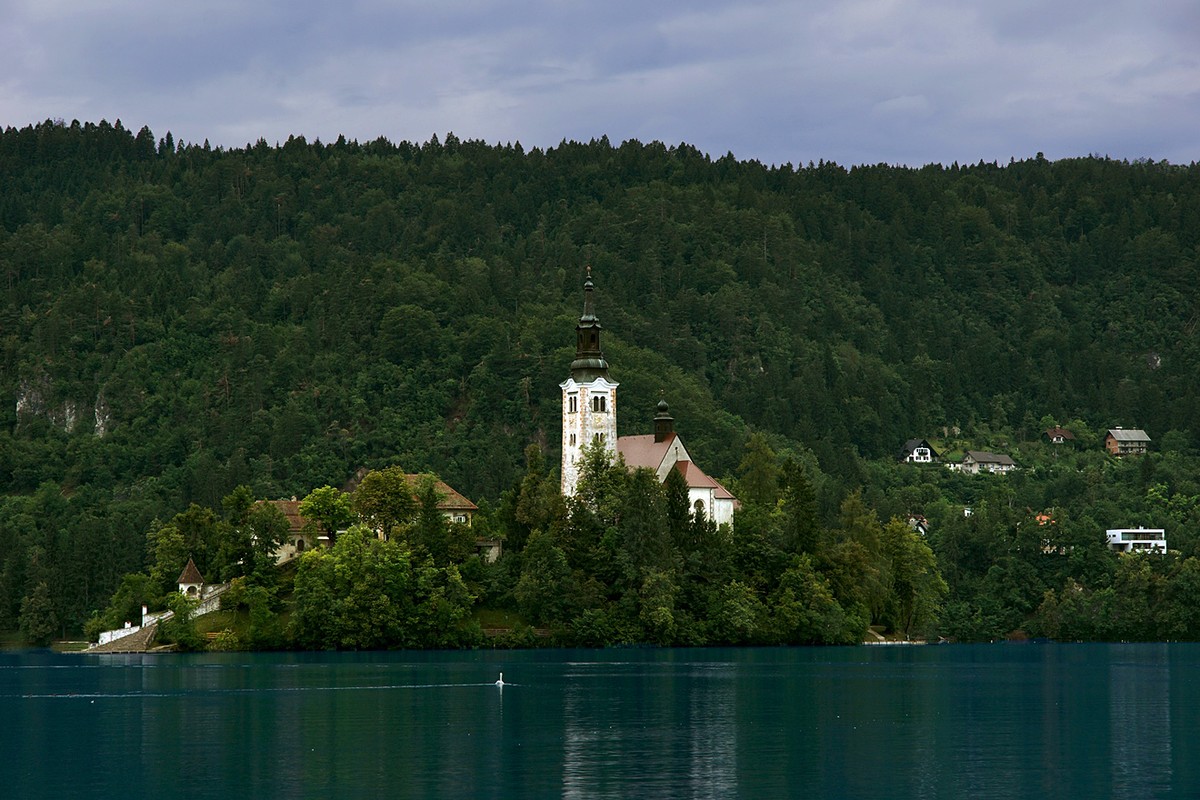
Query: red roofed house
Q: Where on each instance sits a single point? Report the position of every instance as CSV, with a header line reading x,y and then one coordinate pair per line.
x,y
1059,435
589,414
455,507
301,535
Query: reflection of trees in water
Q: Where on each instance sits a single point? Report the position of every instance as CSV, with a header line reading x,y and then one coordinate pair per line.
x,y
1139,698
667,729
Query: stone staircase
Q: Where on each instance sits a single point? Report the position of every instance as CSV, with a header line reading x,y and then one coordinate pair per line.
x,y
139,642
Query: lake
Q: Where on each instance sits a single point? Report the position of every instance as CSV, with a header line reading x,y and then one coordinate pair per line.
x,y
969,721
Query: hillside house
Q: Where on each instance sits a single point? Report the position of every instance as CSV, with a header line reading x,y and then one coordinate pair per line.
x,y
1122,442
1058,435
977,461
918,451
453,505
301,534
1136,540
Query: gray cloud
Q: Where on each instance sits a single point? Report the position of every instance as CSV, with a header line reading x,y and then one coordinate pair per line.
x,y
859,81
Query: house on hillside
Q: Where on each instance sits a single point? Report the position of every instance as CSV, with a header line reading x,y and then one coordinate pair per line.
x,y
977,461
1121,442
302,535
918,451
918,523
1136,540
454,506
1058,435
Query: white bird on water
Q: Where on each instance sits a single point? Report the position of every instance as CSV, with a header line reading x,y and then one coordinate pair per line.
x,y
500,682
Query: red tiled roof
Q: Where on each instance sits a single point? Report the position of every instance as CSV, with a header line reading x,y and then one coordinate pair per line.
x,y
697,479
451,500
291,510
643,451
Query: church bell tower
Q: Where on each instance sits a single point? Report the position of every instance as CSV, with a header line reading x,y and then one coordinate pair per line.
x,y
589,397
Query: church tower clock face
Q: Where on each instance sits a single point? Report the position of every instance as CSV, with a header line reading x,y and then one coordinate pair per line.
x,y
589,396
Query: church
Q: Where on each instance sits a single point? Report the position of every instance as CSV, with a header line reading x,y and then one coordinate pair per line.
x,y
589,414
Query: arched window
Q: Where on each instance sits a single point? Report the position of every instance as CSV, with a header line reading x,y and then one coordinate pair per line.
x,y
572,403
600,404
698,509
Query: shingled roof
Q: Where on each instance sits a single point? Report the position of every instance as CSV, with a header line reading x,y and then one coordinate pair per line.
x,y
291,510
451,499
190,574
643,451
984,457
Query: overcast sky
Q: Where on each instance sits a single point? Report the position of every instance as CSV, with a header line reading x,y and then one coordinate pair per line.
x,y
853,81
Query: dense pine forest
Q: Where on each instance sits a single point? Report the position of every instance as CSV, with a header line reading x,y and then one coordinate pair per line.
x,y
184,329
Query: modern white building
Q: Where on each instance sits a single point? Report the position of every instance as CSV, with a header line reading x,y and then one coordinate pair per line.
x,y
1137,540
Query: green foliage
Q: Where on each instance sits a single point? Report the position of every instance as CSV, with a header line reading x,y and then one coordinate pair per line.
x,y
546,590
384,501
328,508
39,622
366,593
179,322
759,471
180,629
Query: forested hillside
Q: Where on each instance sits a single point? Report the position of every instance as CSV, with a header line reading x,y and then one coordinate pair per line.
x,y
179,320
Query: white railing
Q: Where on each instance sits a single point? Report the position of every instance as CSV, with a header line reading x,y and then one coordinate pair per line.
x,y
210,603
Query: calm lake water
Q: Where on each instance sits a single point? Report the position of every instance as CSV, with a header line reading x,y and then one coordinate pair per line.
x,y
986,721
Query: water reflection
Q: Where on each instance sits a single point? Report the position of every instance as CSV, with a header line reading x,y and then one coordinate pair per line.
x,y
1069,721
1139,690
714,733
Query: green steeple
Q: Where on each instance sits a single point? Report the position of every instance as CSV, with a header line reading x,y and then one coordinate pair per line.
x,y
589,362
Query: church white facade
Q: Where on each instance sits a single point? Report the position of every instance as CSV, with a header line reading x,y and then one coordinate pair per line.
x,y
589,414
589,397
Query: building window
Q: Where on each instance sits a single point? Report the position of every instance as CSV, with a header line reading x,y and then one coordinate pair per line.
x,y
698,509
572,440
600,404
572,403
599,437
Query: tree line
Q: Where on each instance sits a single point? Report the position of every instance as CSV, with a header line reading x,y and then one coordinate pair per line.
x,y
180,320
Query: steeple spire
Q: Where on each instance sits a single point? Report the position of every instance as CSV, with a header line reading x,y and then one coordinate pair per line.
x,y
664,423
589,306
589,360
